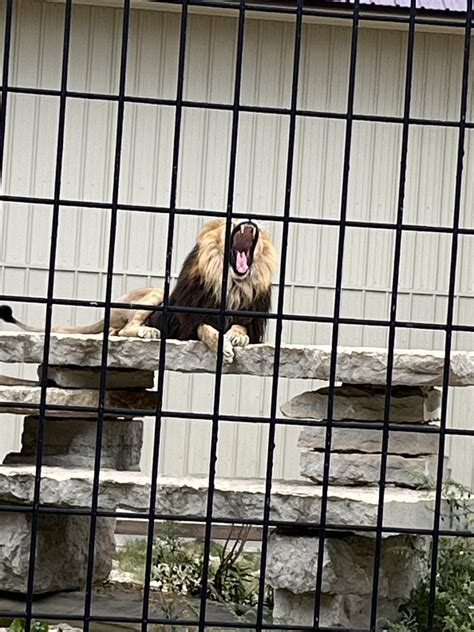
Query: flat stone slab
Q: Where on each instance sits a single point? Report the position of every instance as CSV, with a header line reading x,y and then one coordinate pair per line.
x,y
410,404
6,380
358,365
364,469
18,395
111,600
77,377
234,498
370,441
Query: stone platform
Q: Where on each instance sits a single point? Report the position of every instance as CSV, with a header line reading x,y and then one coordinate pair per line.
x,y
291,502
364,365
353,495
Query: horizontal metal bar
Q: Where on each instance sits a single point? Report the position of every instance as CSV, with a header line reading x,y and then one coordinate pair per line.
x,y
282,524
255,419
277,219
308,318
229,107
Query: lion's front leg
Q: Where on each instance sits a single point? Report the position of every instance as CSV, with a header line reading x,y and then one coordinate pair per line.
x,y
238,336
210,337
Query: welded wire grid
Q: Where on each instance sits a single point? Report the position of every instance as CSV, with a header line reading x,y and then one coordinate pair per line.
x,y
355,14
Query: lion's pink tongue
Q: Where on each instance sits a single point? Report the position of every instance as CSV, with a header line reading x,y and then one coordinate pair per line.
x,y
241,262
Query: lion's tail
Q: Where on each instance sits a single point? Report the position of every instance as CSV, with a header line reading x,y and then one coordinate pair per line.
x,y
6,314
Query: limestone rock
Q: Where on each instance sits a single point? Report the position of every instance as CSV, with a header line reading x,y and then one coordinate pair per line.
x,y
345,611
348,564
87,377
61,554
6,380
347,577
362,365
365,440
18,395
364,469
366,403
233,498
72,443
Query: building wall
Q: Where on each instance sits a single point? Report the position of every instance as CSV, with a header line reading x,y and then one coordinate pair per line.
x,y
29,170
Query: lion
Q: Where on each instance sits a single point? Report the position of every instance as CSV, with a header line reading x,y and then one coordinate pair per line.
x,y
252,261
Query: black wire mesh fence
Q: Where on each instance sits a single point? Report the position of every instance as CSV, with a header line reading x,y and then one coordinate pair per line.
x,y
323,527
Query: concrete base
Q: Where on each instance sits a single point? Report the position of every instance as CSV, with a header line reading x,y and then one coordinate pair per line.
x,y
61,552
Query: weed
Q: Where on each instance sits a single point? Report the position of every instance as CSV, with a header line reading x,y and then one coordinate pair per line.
x,y
454,605
18,625
177,567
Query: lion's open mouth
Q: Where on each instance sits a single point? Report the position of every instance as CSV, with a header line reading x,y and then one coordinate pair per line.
x,y
244,240
242,262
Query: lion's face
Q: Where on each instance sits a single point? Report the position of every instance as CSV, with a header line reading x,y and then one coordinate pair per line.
x,y
243,242
252,257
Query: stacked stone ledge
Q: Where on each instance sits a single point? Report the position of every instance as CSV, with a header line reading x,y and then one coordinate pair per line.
x,y
70,443
356,453
69,452
355,462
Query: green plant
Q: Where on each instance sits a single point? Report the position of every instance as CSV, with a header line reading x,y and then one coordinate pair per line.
x,y
18,625
132,557
454,605
177,567
232,573
235,576
421,481
460,504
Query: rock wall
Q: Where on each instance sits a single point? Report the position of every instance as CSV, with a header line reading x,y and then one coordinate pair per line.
x,y
355,460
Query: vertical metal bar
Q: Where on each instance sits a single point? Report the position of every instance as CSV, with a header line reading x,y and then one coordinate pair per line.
x,y
279,313
336,313
450,310
108,298
223,302
393,311
165,314
49,311
5,77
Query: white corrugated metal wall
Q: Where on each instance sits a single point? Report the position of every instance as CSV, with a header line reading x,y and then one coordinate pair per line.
x,y
261,164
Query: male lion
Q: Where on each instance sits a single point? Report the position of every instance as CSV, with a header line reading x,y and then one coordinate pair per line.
x,y
252,262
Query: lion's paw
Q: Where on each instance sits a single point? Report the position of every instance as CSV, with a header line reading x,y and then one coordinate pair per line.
x,y
228,350
237,339
148,332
